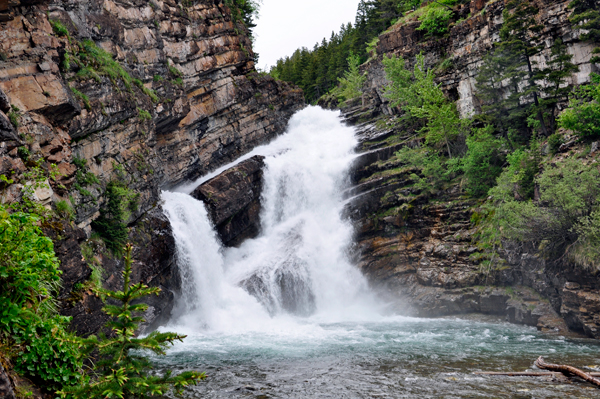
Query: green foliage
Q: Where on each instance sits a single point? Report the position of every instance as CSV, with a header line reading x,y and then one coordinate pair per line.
x,y
13,116
102,62
58,28
316,71
121,370
483,162
428,170
82,97
554,142
144,115
583,114
48,354
586,17
435,21
64,209
565,219
111,224
350,86
28,268
509,81
149,92
518,179
29,278
174,71
421,98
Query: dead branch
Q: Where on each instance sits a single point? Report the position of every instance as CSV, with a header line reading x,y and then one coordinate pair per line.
x,y
527,373
567,370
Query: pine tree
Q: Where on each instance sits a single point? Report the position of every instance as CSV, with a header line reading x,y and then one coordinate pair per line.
x,y
120,370
519,35
555,75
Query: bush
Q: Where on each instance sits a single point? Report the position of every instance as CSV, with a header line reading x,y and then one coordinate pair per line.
x,y
29,278
47,353
435,21
566,219
583,114
483,161
423,100
554,142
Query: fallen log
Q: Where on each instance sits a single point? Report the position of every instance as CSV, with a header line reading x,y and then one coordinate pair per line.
x,y
567,370
527,373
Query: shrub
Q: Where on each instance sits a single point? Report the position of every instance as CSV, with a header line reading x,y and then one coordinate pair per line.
x,y
565,221
483,161
554,142
47,353
58,28
435,21
423,100
350,86
29,278
583,114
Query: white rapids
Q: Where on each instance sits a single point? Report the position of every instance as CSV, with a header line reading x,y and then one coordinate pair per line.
x,y
298,266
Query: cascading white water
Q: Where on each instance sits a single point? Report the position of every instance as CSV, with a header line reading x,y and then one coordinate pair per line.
x,y
298,265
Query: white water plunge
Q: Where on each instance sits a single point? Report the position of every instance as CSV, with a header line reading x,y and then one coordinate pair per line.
x,y
297,270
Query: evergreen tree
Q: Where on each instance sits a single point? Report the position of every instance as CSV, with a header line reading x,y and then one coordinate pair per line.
x,y
559,69
121,371
520,36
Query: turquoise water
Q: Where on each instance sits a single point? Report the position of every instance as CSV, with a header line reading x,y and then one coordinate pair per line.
x,y
392,358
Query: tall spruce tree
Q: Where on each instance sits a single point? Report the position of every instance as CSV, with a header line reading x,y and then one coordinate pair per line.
x,y
121,370
520,36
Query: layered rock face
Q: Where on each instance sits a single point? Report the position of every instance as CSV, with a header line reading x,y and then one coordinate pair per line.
x,y
418,249
419,252
182,98
463,49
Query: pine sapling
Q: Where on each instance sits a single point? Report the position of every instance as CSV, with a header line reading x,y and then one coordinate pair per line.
x,y
121,370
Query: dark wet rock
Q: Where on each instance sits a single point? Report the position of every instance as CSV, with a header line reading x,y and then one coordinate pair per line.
x,y
6,391
233,200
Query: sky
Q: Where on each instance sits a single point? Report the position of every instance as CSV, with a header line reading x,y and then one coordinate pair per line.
x,y
285,25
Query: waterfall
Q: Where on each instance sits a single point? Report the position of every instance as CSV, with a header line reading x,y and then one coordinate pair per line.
x,y
298,265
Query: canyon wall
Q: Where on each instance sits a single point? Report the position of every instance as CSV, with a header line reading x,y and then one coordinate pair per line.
x,y
420,249
179,97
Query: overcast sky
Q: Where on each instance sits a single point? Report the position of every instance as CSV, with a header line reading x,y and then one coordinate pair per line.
x,y
285,25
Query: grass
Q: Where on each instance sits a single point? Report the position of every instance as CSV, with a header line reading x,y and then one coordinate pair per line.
x,y
58,28
82,97
64,209
144,115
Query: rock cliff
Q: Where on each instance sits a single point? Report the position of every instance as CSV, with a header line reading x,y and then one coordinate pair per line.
x,y
146,93
419,249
